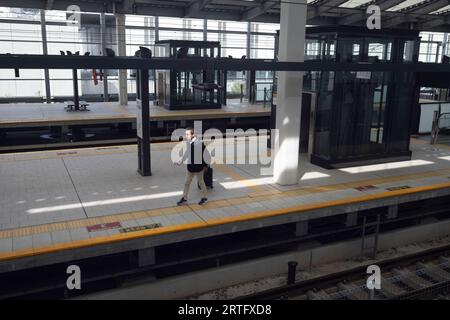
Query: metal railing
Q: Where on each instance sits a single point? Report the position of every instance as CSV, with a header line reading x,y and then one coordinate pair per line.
x,y
263,94
437,121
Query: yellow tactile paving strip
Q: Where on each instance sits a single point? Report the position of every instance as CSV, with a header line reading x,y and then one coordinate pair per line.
x,y
80,223
359,183
213,222
259,193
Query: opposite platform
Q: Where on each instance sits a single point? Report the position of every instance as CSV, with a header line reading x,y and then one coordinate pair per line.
x,y
40,114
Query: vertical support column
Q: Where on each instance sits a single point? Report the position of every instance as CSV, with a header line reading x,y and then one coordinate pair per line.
x,y
122,52
156,28
301,228
76,96
103,45
205,35
363,237
376,236
291,48
351,219
143,122
45,52
146,257
149,38
251,84
444,45
147,31
392,211
205,30
248,82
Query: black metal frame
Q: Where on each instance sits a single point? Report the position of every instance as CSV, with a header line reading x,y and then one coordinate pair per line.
x,y
8,61
143,143
173,100
346,124
18,61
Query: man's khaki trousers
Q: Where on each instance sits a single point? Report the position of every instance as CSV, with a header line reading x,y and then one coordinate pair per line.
x,y
201,182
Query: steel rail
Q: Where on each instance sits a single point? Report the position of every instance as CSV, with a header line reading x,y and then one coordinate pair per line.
x,y
302,287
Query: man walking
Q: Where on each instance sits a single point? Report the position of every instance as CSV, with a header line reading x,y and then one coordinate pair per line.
x,y
195,167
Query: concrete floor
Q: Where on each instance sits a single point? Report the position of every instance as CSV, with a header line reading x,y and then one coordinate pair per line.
x,y
38,114
53,197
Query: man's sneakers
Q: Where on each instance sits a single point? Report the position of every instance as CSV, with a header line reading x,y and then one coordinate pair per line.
x,y
182,200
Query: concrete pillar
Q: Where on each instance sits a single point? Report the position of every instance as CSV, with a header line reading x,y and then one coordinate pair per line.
x,y
444,45
156,28
48,95
301,228
291,48
352,219
205,29
392,212
146,257
248,52
122,51
103,46
205,35
147,32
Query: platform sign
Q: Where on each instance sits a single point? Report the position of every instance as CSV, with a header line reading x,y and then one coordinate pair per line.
x,y
139,118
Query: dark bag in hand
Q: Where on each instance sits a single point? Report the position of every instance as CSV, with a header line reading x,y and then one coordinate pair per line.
x,y
207,177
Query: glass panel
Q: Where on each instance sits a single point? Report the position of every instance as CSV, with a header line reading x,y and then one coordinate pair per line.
x,y
234,81
20,14
262,54
22,88
400,111
380,51
265,27
323,115
429,52
313,49
227,25
408,54
349,49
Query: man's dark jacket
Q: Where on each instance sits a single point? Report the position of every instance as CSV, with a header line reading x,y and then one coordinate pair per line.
x,y
197,157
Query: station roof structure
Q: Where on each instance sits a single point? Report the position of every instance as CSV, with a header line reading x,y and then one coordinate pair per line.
x,y
423,15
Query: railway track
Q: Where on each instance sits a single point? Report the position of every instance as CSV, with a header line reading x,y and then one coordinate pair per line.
x,y
424,275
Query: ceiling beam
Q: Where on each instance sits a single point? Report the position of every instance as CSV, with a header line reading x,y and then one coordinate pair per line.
x,y
428,7
387,4
128,6
260,9
91,6
49,4
323,6
318,13
195,7
415,13
431,24
398,20
357,17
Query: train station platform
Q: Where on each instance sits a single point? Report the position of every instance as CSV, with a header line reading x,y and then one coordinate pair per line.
x,y
58,206
28,115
